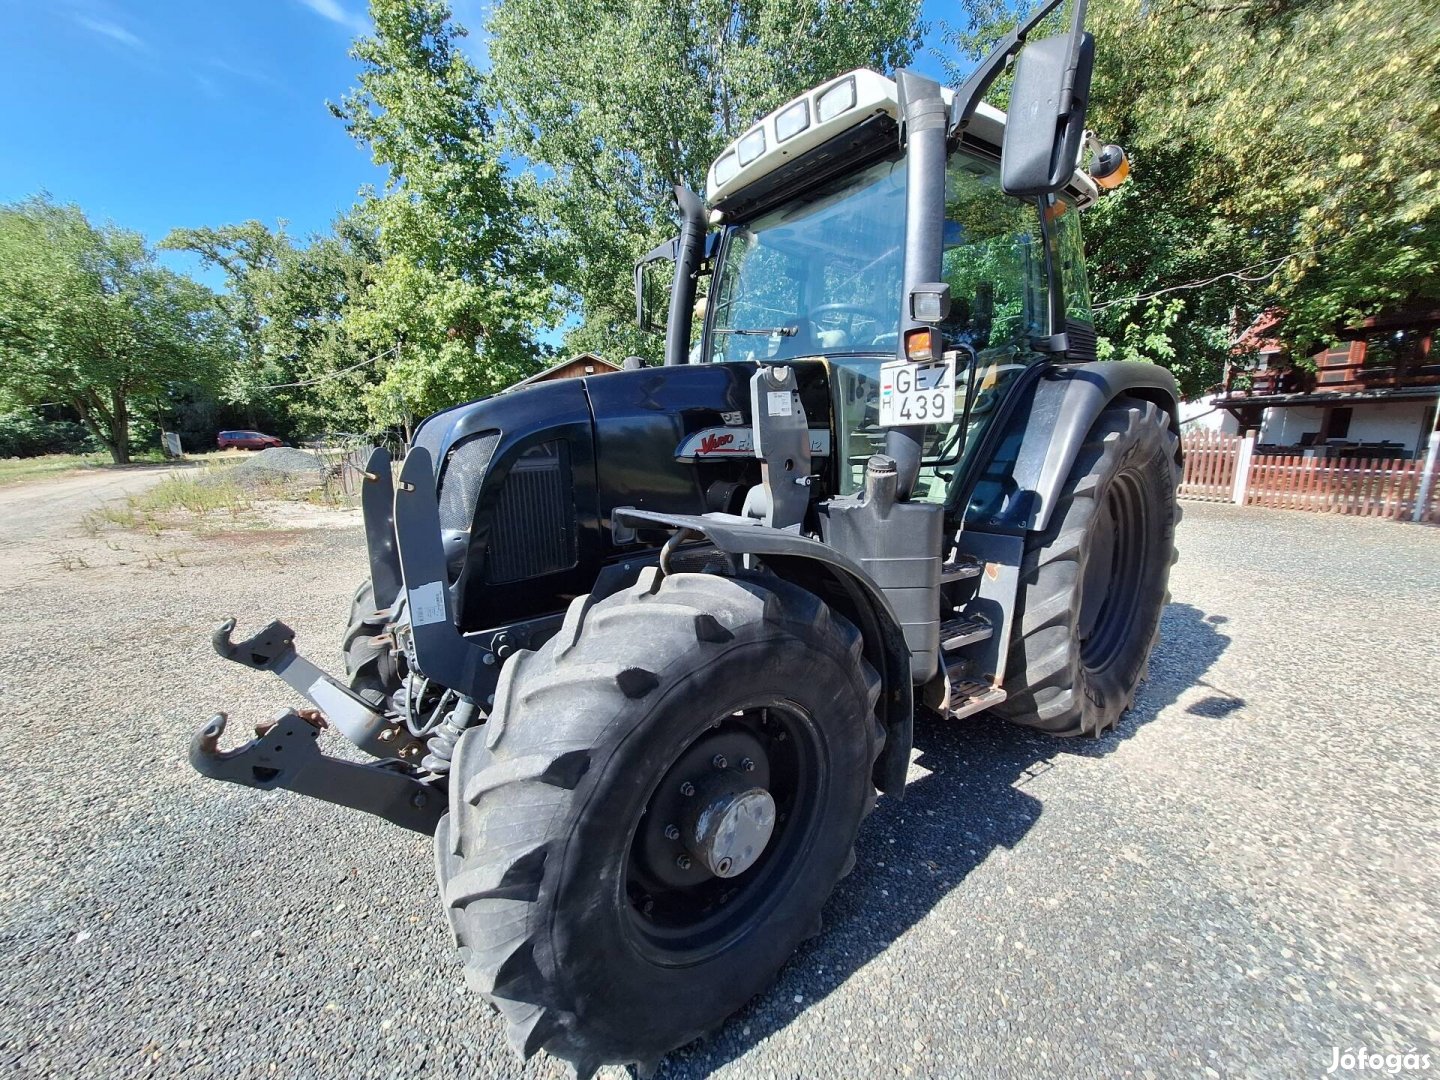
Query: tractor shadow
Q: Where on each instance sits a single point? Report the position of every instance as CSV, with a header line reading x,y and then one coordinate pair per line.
x,y
965,799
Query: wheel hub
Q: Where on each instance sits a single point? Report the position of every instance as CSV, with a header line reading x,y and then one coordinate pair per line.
x,y
720,832
714,804
731,829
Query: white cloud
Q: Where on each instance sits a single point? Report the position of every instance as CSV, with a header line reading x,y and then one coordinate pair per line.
x,y
247,72
332,10
113,31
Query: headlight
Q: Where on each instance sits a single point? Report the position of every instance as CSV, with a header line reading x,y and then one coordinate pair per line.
x,y
836,100
792,121
751,146
725,169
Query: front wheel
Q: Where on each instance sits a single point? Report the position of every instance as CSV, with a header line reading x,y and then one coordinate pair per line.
x,y
652,818
1093,584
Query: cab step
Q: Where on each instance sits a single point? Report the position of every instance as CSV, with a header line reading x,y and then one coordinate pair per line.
x,y
959,632
962,569
973,696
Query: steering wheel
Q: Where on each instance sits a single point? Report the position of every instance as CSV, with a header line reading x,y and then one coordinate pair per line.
x,y
816,314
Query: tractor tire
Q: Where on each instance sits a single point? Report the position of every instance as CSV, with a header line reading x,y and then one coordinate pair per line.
x,y
368,662
572,863
1094,583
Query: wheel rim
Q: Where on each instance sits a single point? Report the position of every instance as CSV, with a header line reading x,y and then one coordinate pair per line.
x,y
1110,594
723,834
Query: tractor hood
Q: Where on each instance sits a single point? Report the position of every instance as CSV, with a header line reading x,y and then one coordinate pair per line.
x,y
527,481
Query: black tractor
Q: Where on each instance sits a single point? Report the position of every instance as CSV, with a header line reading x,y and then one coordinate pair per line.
x,y
640,649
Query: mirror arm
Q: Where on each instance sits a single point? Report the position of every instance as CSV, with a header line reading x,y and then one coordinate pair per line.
x,y
969,96
1077,31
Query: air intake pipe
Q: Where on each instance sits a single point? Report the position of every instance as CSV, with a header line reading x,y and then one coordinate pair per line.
x,y
689,251
926,123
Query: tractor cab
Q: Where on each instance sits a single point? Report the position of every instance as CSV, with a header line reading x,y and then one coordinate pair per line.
x,y
808,264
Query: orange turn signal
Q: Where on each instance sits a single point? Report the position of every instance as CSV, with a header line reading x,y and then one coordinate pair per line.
x,y
1111,167
922,344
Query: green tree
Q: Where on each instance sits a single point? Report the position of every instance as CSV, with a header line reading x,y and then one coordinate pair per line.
x,y
1324,123
308,297
460,289
88,317
249,254
616,101
1283,155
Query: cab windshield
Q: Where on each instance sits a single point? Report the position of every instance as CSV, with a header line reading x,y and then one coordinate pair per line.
x,y
822,276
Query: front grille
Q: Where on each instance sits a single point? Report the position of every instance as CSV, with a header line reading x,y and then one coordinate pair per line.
x,y
533,522
464,473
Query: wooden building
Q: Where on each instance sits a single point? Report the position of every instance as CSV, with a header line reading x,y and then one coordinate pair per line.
x,y
1373,394
576,367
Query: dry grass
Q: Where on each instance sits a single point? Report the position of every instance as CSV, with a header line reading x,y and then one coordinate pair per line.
x,y
208,500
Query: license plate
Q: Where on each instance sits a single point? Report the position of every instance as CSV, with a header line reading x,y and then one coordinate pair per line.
x,y
917,393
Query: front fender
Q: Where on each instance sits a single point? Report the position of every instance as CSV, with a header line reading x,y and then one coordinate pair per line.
x,y
1067,401
844,585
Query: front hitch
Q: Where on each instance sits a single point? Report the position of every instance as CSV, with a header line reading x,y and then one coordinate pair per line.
x,y
273,649
285,754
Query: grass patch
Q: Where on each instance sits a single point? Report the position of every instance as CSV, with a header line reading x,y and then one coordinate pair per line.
x,y
14,470
170,501
204,495
18,470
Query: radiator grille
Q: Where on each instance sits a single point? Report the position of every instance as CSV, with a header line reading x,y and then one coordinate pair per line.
x,y
464,473
533,528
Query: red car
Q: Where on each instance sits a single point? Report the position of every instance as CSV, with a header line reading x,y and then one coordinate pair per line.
x,y
245,440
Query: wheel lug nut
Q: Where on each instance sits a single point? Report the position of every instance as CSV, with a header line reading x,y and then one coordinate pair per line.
x,y
683,862
719,761
672,833
747,764
687,789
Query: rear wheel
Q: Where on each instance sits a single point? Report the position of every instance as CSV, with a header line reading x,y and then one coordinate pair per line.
x,y
651,820
1093,584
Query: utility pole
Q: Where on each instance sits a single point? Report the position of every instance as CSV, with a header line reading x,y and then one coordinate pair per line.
x,y
1427,476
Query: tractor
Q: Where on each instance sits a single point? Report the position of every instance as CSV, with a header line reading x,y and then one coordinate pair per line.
x,y
639,650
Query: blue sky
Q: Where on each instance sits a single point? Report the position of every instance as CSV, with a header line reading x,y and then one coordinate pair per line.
x,y
166,113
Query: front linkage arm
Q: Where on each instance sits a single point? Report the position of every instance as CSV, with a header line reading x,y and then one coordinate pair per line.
x,y
285,755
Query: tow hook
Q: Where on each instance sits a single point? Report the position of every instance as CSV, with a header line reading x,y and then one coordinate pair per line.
x,y
285,754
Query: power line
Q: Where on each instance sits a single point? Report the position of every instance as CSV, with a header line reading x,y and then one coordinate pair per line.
x,y
333,374
1243,274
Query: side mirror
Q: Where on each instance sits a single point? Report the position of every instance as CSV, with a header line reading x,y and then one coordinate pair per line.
x,y
654,276
1046,122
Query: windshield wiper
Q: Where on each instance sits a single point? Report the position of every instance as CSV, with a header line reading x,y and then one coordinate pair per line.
x,y
762,331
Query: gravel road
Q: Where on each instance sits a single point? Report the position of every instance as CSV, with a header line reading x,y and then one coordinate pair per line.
x,y
42,521
1241,878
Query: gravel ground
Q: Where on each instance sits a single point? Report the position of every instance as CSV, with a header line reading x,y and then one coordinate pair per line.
x,y
1240,879
272,464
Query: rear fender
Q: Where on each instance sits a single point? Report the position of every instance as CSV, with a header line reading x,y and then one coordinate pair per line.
x,y
847,589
